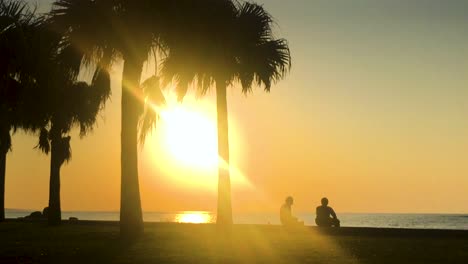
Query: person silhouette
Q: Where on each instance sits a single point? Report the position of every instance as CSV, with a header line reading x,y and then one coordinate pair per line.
x,y
286,217
326,216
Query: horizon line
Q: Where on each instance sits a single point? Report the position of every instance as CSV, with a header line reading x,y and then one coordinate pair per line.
x,y
242,212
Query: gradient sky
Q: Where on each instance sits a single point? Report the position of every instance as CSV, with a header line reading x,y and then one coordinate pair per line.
x,y
374,115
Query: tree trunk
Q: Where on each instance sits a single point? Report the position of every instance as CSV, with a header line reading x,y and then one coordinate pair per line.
x,y
2,184
224,215
55,213
5,144
131,220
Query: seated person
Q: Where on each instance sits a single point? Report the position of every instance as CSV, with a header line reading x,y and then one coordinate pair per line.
x,y
286,216
326,217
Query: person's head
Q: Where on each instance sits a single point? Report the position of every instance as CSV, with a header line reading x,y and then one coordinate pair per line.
x,y
289,200
324,201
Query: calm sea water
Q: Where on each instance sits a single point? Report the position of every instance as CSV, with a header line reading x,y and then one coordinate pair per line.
x,y
424,221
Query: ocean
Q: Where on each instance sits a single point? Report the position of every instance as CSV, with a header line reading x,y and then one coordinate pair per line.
x,y
418,221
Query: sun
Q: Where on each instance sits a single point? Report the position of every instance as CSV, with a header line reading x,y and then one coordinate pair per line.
x,y
189,135
184,148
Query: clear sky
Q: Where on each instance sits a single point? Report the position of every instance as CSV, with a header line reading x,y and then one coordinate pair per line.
x,y
374,115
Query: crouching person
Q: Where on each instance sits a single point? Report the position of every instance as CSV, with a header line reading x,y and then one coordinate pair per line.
x,y
326,216
286,217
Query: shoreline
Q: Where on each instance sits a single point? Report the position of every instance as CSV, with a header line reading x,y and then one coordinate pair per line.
x,y
405,221
341,231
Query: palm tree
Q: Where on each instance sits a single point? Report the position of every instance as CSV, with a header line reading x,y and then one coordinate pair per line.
x,y
17,22
77,104
62,103
240,47
127,30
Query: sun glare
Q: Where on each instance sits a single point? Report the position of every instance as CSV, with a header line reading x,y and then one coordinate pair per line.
x,y
189,136
194,217
185,145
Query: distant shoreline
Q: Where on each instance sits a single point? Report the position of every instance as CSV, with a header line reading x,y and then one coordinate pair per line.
x,y
342,231
378,220
248,212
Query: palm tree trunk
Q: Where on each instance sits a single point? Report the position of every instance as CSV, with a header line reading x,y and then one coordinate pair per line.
x,y
224,216
131,220
55,213
2,184
5,144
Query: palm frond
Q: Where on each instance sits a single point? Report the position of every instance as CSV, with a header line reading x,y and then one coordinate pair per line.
x,y
154,97
13,9
146,124
44,143
5,140
254,22
261,59
102,84
266,63
69,58
88,101
152,91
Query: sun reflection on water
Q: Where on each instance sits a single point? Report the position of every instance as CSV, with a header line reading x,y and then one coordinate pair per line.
x,y
194,217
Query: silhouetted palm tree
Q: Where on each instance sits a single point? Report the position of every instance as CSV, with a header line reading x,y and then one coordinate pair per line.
x,y
127,30
62,103
75,104
17,23
239,47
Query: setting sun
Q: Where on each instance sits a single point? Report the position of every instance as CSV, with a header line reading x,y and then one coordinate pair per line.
x,y
189,136
184,147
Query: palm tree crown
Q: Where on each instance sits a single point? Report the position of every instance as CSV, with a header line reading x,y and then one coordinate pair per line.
x,y
17,24
240,47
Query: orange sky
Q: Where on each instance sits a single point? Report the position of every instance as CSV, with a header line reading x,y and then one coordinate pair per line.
x,y
374,115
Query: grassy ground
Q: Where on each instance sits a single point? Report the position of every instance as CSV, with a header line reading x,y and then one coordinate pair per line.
x,y
92,242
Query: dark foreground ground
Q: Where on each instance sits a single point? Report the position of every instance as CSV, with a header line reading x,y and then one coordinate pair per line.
x,y
99,242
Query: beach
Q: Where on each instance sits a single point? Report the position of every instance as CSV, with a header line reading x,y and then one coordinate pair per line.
x,y
99,242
